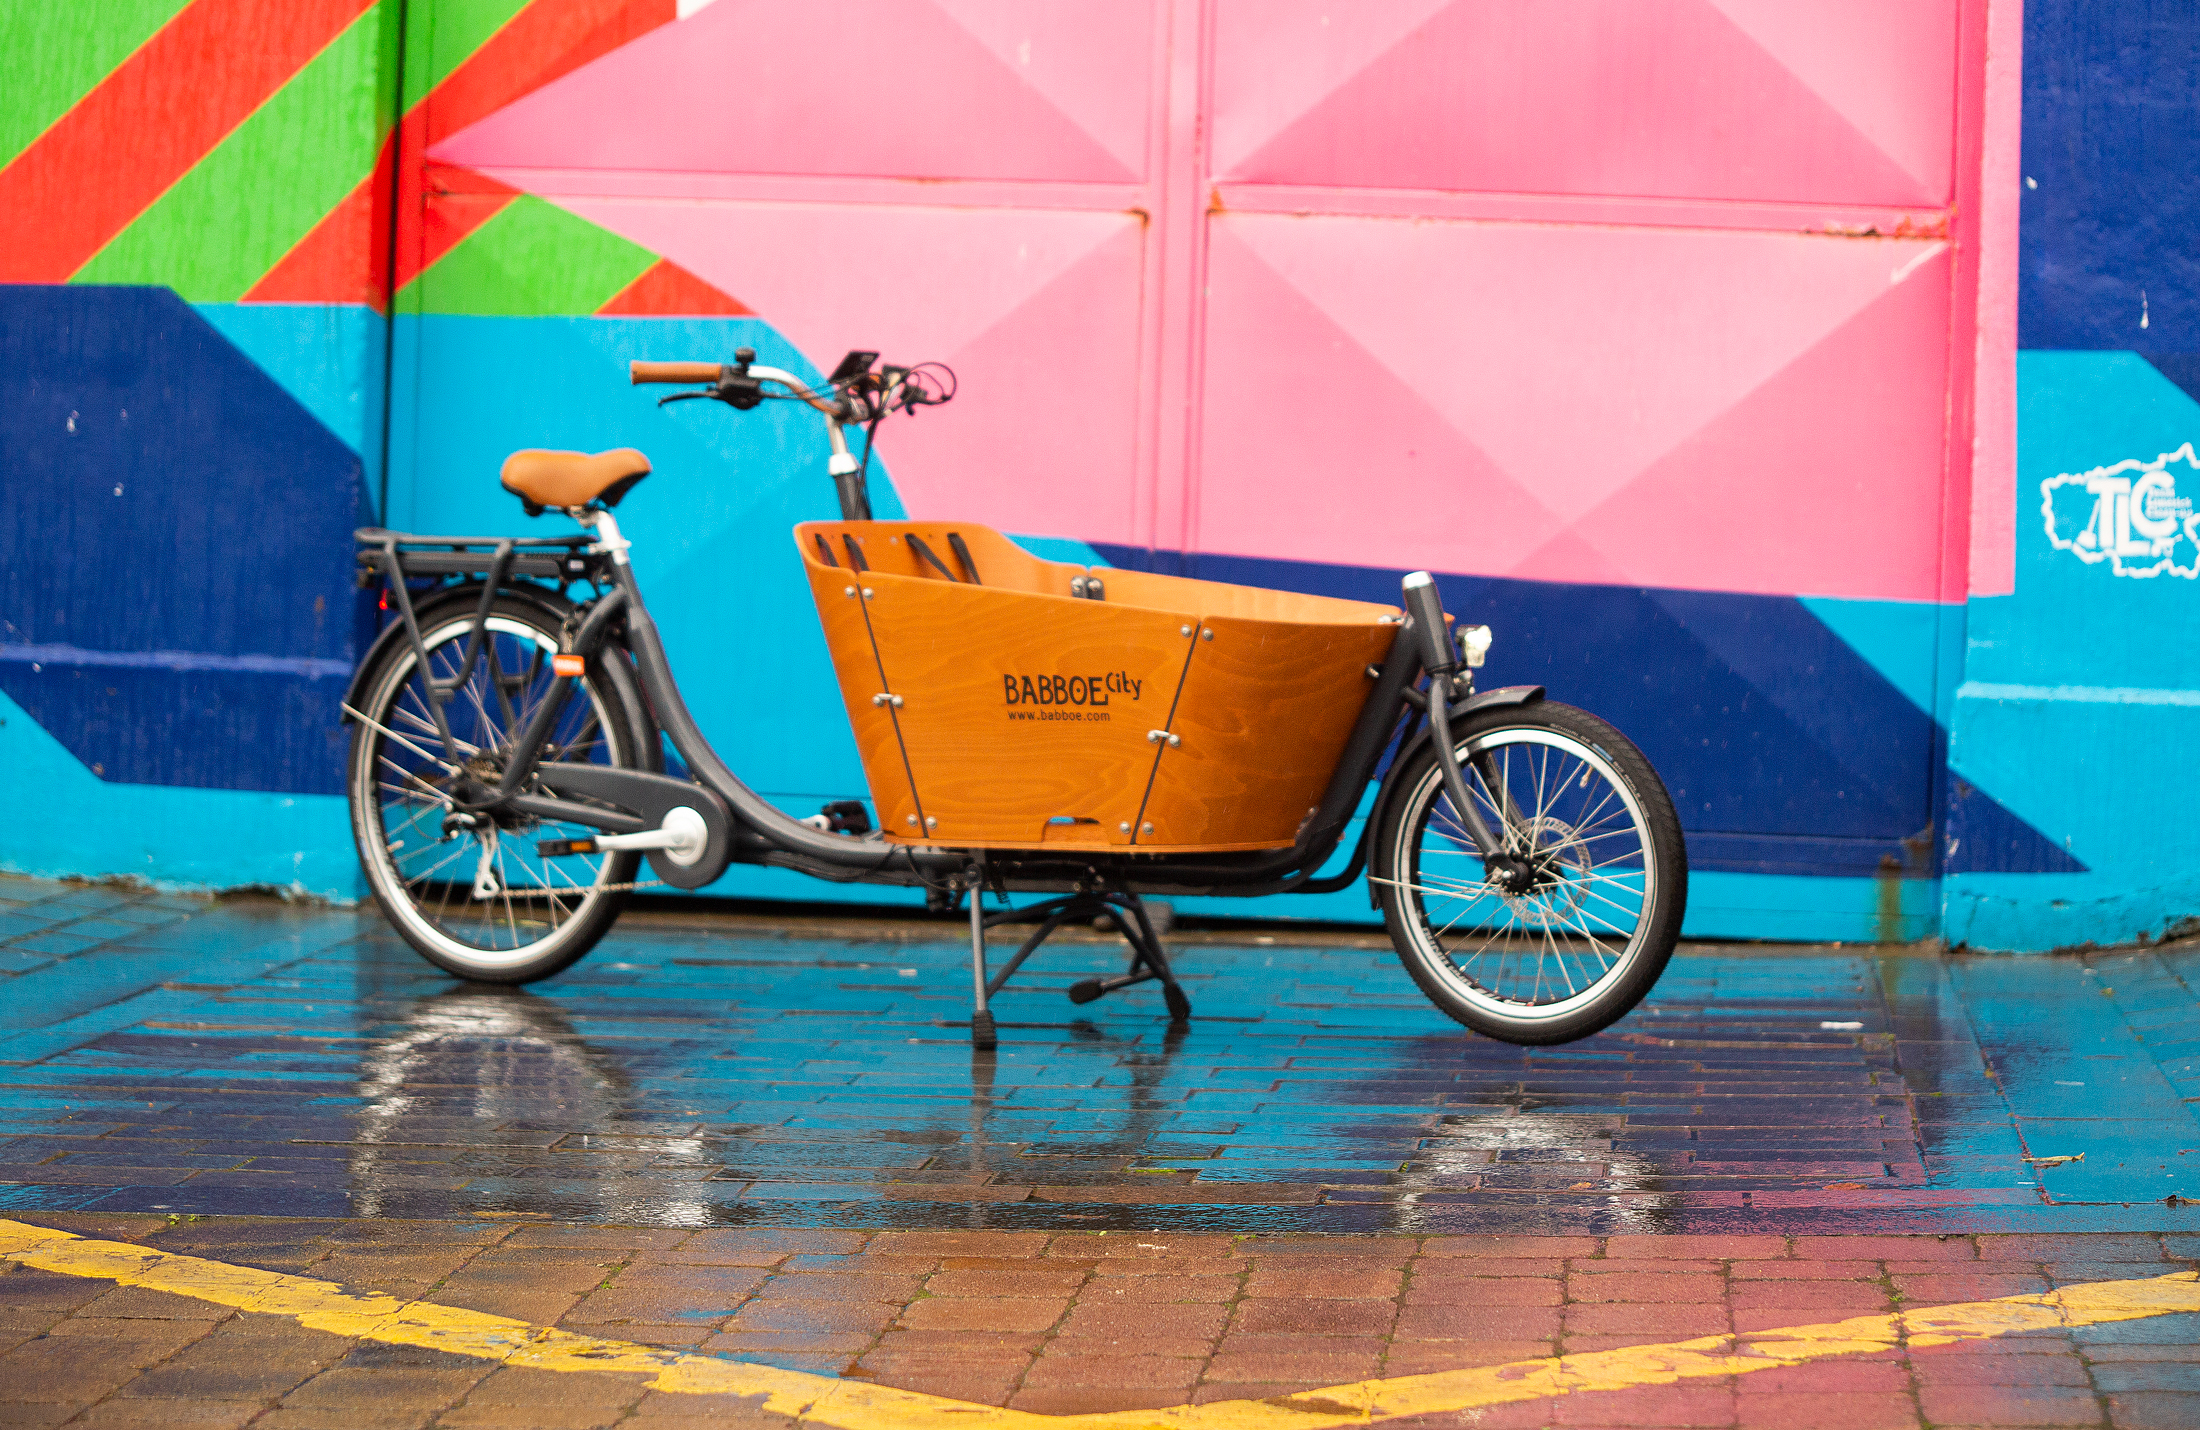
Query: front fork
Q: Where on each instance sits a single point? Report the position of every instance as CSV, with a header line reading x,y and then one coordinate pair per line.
x,y
1440,659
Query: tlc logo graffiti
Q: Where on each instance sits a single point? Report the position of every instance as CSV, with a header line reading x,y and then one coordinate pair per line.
x,y
2135,521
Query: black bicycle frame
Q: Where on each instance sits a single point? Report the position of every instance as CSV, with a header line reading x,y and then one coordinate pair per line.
x,y
617,625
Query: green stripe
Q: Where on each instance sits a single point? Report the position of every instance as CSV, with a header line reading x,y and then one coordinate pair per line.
x,y
443,34
56,53
532,260
221,226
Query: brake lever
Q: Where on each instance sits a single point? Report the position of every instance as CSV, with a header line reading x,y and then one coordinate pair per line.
x,y
683,397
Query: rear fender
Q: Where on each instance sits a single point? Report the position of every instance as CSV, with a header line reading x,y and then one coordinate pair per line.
x,y
465,598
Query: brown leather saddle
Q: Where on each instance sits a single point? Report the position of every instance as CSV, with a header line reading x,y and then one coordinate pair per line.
x,y
543,479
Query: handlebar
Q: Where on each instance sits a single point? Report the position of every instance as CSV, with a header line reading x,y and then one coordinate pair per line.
x,y
642,372
852,395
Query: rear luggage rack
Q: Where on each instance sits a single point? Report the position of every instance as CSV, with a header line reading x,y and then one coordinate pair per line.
x,y
555,558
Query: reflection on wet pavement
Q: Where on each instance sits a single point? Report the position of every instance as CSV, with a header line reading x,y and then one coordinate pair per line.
x,y
160,1054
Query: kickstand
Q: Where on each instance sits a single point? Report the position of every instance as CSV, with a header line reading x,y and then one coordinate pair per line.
x,y
1148,959
982,1034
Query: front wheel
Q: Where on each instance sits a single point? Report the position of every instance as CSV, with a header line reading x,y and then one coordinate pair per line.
x,y
1582,944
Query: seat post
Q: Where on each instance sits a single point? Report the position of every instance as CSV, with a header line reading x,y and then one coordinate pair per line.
x,y
606,528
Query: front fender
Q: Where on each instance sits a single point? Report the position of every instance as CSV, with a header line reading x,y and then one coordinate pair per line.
x,y
1473,705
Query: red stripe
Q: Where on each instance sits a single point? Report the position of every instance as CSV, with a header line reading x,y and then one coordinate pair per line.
x,y
548,39
666,290
345,259
141,128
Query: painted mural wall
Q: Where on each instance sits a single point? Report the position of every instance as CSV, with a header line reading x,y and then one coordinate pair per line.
x,y
2081,689
1699,386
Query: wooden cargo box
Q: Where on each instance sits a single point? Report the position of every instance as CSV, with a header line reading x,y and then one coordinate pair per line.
x,y
1008,712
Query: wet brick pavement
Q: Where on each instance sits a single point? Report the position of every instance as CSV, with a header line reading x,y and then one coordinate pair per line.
x,y
1069,1322
167,1055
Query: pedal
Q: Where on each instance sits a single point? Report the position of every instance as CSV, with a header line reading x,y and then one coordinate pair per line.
x,y
1085,991
559,848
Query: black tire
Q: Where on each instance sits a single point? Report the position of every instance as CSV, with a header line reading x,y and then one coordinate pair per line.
x,y
546,912
1582,947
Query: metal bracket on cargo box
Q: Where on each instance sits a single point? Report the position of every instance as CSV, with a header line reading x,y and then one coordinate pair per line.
x,y
1174,740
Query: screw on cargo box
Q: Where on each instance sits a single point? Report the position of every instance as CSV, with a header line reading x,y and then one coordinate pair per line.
x,y
1183,630
1146,828
909,819
1207,635
868,593
1125,826
851,590
931,821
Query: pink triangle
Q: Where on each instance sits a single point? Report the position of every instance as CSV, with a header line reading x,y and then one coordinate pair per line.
x,y
1313,450
1041,437
1574,355
816,271
1604,97
765,87
1824,481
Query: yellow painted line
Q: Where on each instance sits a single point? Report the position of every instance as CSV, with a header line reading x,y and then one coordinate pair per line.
x,y
854,1405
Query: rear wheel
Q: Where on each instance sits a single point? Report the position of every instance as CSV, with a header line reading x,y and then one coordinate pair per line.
x,y
470,893
1583,942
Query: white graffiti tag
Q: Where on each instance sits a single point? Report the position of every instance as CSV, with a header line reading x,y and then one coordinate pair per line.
x,y
2136,521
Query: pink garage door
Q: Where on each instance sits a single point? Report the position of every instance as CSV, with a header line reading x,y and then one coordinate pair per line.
x,y
1642,322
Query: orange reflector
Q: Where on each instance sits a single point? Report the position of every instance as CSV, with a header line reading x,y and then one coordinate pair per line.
x,y
568,664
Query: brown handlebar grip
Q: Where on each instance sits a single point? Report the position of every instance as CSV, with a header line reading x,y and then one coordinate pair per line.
x,y
673,372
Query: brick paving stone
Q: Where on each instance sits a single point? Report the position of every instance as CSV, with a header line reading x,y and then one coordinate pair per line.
x,y
1949,1368
1414,1357
1005,1283
1804,1271
1299,1316
1484,1291
767,1314
1945,1290
1661,1405
1654,1288
1328,1279
1104,1289
1144,1371
1644,1322
1329,1366
839,1288
2012,1406
166,1415
1827,1410
973,1313
1199,1320
1471,1322
2153,1410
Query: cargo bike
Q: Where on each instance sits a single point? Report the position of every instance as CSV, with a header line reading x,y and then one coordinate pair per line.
x,y
1089,736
